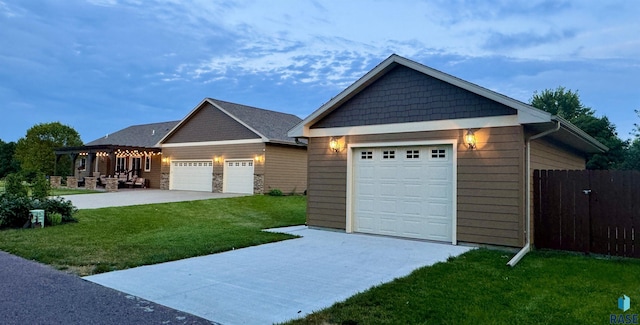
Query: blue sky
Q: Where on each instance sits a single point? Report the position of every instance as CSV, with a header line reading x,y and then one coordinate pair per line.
x,y
102,65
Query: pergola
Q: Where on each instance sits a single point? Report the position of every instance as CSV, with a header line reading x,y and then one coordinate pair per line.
x,y
109,150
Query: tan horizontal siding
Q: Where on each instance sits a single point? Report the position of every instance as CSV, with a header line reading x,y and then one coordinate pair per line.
x,y
232,151
546,155
285,168
489,180
153,176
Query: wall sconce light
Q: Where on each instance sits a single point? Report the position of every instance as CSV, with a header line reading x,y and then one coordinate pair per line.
x,y
166,161
470,140
217,159
336,144
259,158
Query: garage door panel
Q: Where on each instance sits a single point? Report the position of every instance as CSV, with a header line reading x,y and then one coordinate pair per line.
x,y
238,176
408,195
191,176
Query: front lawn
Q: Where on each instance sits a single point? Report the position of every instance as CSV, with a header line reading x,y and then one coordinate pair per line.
x,y
123,237
478,288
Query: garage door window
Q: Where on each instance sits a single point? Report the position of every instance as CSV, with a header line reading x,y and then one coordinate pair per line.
x,y
364,155
413,154
389,154
438,153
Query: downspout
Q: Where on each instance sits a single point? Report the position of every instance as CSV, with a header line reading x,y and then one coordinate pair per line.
x,y
527,245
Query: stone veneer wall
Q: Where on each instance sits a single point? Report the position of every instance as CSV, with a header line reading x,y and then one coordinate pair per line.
x,y
112,184
56,181
72,182
164,180
258,184
217,182
90,183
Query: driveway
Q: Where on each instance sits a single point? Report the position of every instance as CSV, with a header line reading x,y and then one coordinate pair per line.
x,y
279,281
126,197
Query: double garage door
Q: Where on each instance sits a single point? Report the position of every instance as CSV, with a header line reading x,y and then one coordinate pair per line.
x,y
197,175
404,191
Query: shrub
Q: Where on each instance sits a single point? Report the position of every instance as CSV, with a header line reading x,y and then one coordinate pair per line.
x,y
13,186
41,188
14,210
57,205
53,219
275,192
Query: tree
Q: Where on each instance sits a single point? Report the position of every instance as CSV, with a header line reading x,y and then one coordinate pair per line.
x,y
35,151
8,164
566,104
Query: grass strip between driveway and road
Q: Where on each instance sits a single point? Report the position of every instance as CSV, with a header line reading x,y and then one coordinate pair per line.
x,y
478,288
123,237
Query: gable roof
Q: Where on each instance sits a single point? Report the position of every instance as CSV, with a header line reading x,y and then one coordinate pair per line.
x,y
527,114
143,135
269,125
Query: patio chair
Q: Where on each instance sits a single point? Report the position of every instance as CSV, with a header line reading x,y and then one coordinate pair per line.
x,y
139,182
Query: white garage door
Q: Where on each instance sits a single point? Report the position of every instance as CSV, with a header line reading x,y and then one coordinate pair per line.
x,y
238,176
404,191
193,175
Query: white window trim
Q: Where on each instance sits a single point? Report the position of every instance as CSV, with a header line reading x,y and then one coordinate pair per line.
x,y
351,155
145,163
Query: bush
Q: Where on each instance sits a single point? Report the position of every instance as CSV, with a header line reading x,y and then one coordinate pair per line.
x,y
41,188
57,205
13,186
275,192
14,210
53,219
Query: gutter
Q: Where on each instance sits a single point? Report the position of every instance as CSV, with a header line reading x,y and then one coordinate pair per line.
x,y
527,246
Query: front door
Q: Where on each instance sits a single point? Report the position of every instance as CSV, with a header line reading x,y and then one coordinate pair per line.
x,y
136,162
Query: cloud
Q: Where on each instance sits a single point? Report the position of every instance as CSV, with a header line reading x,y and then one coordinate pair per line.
x,y
498,41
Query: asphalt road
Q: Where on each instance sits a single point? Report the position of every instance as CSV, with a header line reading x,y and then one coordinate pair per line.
x,y
33,293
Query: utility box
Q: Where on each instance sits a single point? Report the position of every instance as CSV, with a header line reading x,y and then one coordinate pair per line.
x,y
37,217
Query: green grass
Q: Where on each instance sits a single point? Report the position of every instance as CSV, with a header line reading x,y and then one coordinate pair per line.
x,y
478,288
118,238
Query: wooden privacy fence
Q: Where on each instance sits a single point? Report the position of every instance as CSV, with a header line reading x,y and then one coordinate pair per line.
x,y
591,211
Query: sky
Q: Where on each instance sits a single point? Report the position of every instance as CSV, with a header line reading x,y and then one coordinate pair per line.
x,y
102,65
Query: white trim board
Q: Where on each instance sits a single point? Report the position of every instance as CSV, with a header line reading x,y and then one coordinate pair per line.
x,y
454,170
210,143
468,123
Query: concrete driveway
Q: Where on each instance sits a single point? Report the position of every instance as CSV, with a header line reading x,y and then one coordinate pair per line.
x,y
126,197
279,281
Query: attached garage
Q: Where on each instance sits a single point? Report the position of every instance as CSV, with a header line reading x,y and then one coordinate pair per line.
x,y
404,191
191,175
238,176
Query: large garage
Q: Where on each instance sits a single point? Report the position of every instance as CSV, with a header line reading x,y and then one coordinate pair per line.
x,y
192,175
404,191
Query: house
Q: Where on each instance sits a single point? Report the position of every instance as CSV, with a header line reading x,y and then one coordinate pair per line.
x,y
226,147
218,147
413,152
126,154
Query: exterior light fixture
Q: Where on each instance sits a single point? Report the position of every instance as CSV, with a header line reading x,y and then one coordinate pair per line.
x,y
259,158
336,144
470,140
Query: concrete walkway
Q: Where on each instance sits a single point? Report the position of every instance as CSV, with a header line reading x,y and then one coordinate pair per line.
x,y
279,281
126,197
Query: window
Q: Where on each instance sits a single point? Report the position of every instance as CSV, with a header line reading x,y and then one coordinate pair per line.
x,y
366,155
83,164
121,164
147,163
413,154
389,154
438,153
251,163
